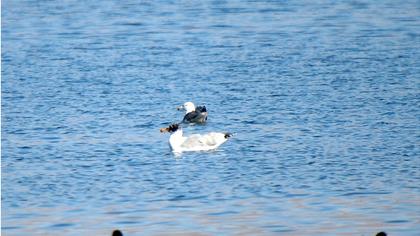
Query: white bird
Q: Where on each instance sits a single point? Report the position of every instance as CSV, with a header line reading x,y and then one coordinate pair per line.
x,y
195,142
193,114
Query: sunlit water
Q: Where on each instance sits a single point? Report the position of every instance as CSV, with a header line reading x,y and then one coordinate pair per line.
x,y
322,98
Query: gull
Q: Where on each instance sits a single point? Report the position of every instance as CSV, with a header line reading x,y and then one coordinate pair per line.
x,y
194,142
193,114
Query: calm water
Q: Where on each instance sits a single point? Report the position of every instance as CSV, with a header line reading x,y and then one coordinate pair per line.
x,y
323,99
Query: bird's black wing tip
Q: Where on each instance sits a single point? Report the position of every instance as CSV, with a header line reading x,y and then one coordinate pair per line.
x,y
228,135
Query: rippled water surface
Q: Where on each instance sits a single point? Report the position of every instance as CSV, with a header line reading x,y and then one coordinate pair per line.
x,y
322,98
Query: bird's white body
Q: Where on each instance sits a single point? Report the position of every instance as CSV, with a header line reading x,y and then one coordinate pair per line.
x,y
196,142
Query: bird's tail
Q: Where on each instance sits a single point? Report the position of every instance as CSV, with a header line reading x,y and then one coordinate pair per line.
x,y
228,135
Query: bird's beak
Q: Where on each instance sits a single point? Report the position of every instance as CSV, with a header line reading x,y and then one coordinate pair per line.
x,y
179,108
163,130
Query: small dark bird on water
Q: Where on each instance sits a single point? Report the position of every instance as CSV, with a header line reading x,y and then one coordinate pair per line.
x,y
194,114
117,233
381,234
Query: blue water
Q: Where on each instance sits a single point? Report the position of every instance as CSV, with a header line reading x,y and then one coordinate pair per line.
x,y
322,98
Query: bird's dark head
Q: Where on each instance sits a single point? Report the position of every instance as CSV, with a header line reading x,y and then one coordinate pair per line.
x,y
172,128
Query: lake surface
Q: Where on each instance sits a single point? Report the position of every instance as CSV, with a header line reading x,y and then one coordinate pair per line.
x,y
323,100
